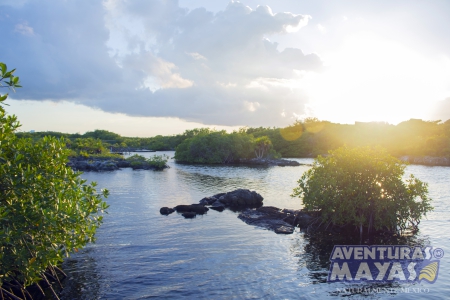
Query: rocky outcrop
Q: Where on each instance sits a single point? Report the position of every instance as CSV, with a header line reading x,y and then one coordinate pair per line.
x,y
252,212
238,199
95,164
427,160
194,208
268,162
272,218
99,164
166,211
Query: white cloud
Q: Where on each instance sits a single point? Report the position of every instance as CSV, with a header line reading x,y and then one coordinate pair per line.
x,y
251,106
24,29
196,56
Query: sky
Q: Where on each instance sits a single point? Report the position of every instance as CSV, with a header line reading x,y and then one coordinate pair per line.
x,y
143,68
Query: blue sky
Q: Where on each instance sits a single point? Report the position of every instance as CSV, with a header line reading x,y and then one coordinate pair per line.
x,y
142,68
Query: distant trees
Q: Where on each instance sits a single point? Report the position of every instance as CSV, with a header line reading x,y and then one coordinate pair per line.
x,y
305,138
262,146
214,147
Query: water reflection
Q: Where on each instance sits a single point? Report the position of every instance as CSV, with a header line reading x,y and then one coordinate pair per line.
x,y
140,254
83,280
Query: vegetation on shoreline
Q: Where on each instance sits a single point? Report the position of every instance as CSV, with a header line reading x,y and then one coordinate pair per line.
x,y
46,210
219,147
156,162
307,138
363,187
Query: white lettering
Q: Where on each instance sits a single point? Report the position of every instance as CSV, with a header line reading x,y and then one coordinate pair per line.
x,y
337,253
382,268
392,256
404,252
363,272
417,254
412,272
381,250
358,253
396,272
370,252
340,273
348,252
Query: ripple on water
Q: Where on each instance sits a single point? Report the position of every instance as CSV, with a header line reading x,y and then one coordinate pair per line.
x,y
141,254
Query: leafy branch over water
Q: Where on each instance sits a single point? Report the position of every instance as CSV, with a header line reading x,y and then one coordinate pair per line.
x,y
46,210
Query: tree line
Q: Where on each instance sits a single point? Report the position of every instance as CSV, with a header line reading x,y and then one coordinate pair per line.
x,y
305,138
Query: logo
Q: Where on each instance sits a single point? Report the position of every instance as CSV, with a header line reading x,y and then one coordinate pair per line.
x,y
384,264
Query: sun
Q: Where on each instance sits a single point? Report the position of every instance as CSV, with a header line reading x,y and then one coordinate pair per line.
x,y
372,79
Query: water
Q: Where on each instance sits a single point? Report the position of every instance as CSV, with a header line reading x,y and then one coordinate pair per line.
x,y
140,254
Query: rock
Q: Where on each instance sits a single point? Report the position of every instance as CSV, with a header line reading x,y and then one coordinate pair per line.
x,y
427,160
195,208
267,217
189,215
303,220
241,198
208,200
269,162
284,229
166,211
217,206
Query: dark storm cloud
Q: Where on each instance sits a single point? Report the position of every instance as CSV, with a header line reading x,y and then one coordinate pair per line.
x,y
154,58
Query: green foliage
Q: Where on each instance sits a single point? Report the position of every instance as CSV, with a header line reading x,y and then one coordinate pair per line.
x,y
262,145
86,147
46,210
215,147
157,162
363,187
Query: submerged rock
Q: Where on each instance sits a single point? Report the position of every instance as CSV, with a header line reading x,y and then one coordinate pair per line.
x,y
194,208
189,215
253,213
266,217
284,229
272,218
269,162
166,211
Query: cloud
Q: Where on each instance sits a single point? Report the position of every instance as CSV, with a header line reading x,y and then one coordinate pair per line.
x,y
24,29
442,110
154,58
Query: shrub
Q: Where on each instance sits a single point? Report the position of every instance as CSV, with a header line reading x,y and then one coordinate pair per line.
x,y
157,162
363,187
46,210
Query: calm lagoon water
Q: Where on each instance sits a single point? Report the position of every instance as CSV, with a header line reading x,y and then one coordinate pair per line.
x,y
140,254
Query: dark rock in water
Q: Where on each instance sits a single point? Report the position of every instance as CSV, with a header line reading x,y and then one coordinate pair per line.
x,y
195,208
241,198
303,220
208,200
267,217
235,200
272,218
284,229
217,206
166,210
189,215
269,162
93,163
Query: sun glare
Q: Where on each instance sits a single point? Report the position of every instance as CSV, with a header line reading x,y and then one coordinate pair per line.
x,y
372,79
